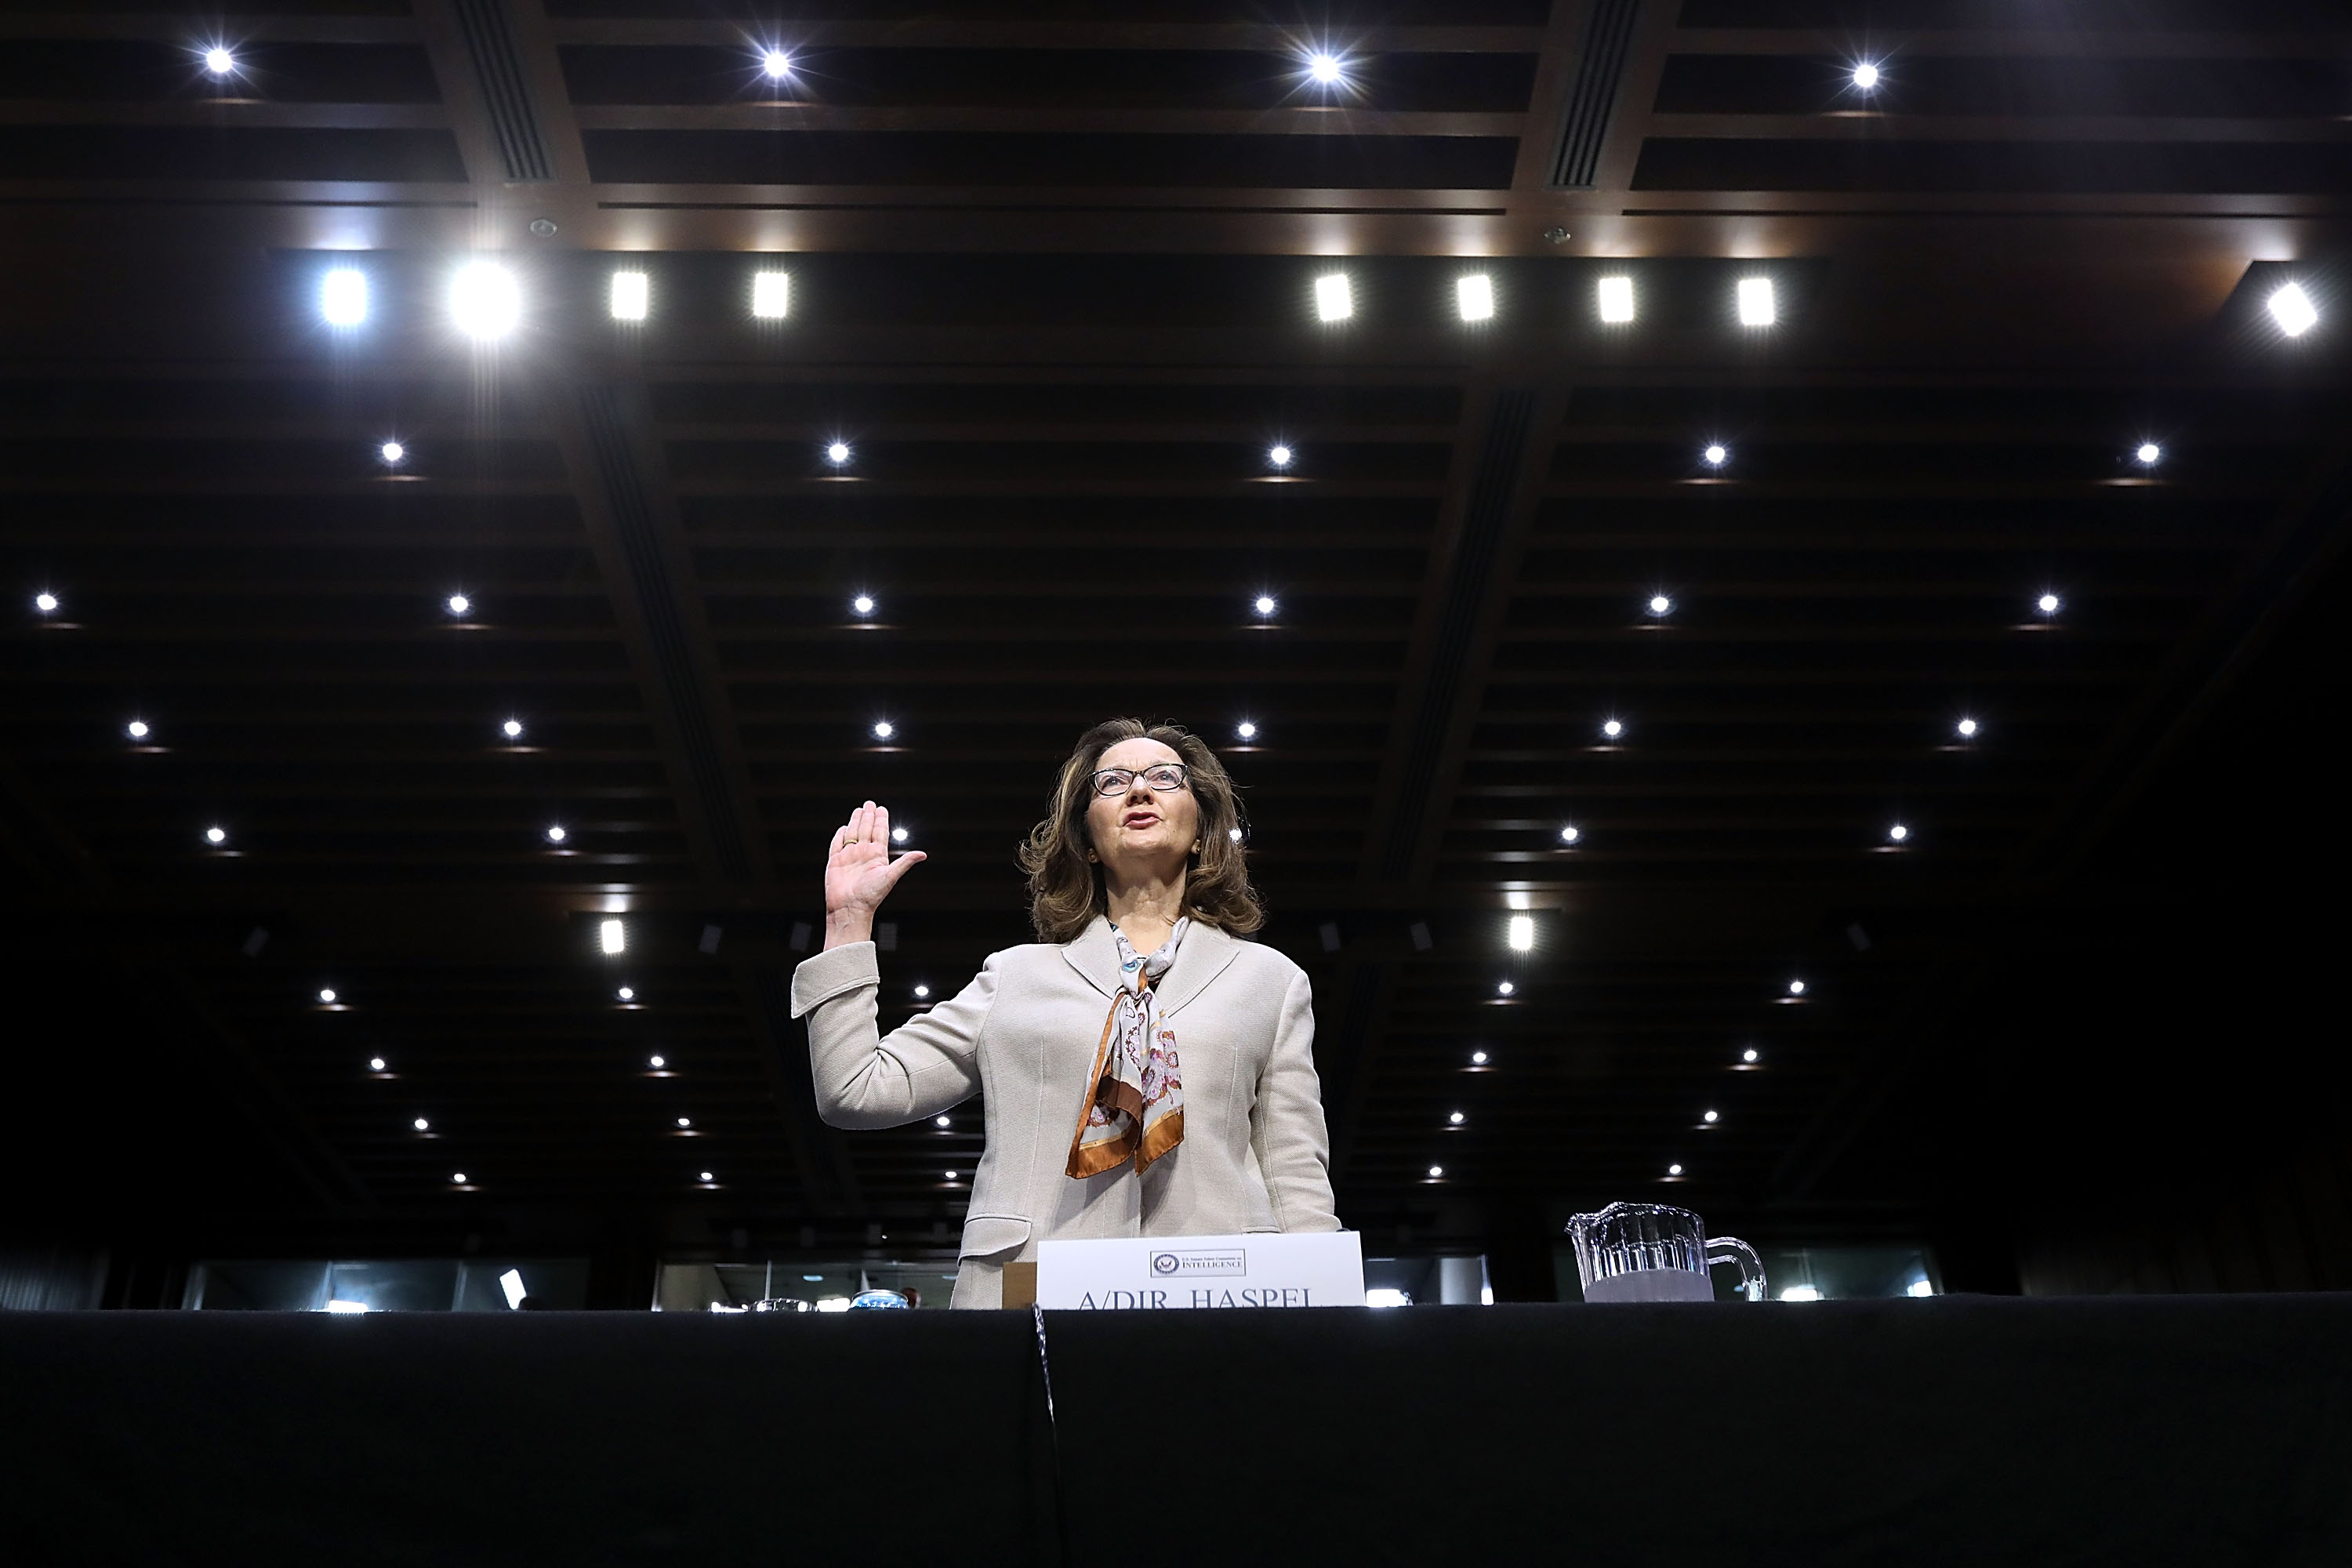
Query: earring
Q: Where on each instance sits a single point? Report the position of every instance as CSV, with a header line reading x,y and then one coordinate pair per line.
x,y
1196,847
1090,856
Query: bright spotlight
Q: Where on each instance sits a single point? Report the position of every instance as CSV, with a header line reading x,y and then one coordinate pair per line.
x,y
342,1308
942,1122
772,295
612,936
1899,833
46,602
511,729
708,1177
632,293
1674,1170
838,453
1711,1117
1756,307
457,604
1454,1120
484,301
1660,605
1474,296
2047,604
2149,453
1505,988
626,994
1245,729
136,728
1234,834
863,604
375,1064
1325,68
457,1178
1478,1058
1334,300
1264,603
343,297
215,837
884,730
557,833
1612,728
777,64
327,996
1570,835
1616,300
899,836
1717,454
1919,1288
1802,1293
1435,1172
685,1121
1279,456
392,454
1522,933
1748,1055
1866,76
921,992
421,1124
658,1063
1967,729
2292,308
1796,988
219,61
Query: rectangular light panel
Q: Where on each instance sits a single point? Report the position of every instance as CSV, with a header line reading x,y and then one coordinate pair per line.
x,y
1616,299
1333,300
512,1283
631,294
615,936
343,297
1474,296
1756,306
772,295
1523,933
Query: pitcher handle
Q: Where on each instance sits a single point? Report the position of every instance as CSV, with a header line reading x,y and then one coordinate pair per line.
x,y
1734,1250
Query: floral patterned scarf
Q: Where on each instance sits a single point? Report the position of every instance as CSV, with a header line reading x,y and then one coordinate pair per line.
x,y
1135,1102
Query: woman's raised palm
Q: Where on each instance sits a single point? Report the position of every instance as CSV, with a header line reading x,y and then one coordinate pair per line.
x,y
859,873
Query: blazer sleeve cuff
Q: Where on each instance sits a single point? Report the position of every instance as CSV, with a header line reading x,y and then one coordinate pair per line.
x,y
836,972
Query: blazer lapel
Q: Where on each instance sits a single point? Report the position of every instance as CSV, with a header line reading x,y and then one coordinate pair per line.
x,y
1207,953
1096,956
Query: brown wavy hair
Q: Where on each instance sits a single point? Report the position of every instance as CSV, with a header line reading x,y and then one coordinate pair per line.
x,y
1065,889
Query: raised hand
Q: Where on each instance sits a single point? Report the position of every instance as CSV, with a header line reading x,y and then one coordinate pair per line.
x,y
859,874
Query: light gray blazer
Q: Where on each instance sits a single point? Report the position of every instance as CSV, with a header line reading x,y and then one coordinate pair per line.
x,y
1255,1155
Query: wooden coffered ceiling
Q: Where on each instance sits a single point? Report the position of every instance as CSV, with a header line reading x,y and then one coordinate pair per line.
x,y
1051,280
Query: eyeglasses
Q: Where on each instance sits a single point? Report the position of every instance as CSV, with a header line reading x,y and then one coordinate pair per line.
x,y
1161,776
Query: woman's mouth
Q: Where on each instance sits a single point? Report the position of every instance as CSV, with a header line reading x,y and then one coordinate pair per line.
x,y
1141,819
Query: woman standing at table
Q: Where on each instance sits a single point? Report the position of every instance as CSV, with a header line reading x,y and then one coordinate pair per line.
x,y
1145,1071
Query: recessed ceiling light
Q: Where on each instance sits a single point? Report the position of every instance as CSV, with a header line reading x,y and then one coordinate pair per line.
x,y
708,1177
863,604
327,995
1279,456
1616,299
2047,604
1748,1055
772,295
778,65
458,1177
1674,1170
941,1121
392,454
219,61
948,1174
343,297
898,836
685,1121
658,1063
375,1064
626,994
1710,1117
1325,68
631,296
2148,454
1756,306
457,604
1477,1058
1522,933
884,729
1660,605
215,835
421,1124
1334,300
1866,76
612,936
1454,1120
1570,834
557,833
1796,988
1966,729
1473,297
1435,1172
484,301
1717,454
1899,833
836,453
1264,603
511,729
46,603
921,992
1612,728
1245,729
2292,308
1505,988
136,728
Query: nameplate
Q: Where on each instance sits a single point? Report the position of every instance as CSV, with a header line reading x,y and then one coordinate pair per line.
x,y
1305,1269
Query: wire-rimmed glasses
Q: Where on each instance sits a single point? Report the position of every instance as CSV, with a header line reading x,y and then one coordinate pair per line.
x,y
1161,776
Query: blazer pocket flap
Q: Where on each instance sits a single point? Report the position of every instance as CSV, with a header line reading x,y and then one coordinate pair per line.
x,y
985,1235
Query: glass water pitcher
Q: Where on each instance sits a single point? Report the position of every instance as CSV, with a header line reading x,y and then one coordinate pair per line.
x,y
1649,1252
